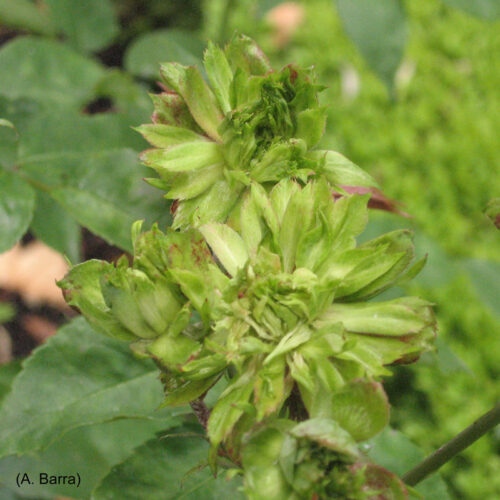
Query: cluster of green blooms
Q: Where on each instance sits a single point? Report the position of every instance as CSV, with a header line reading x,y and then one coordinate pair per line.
x,y
251,124
264,284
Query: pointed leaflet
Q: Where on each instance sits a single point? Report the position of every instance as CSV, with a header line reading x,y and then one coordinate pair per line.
x,y
327,433
227,246
182,158
188,82
228,410
82,289
341,171
170,109
242,52
100,375
187,185
405,316
220,75
213,205
361,408
346,221
399,242
251,227
311,125
164,136
296,220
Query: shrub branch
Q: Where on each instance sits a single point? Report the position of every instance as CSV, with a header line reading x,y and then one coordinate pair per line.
x,y
459,443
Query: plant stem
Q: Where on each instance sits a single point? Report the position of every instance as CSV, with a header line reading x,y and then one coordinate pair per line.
x,y
201,411
463,440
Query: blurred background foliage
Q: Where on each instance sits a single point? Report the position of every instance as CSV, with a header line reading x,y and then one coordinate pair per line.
x,y
412,96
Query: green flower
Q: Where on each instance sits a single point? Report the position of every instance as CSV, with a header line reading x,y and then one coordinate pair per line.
x,y
295,311
316,459
279,306
247,124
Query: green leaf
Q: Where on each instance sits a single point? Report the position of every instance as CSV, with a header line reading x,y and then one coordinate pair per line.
x,y
9,139
380,32
228,408
227,246
76,378
440,267
47,71
242,52
392,450
165,470
82,289
213,205
56,227
220,75
8,372
485,9
98,215
327,433
485,277
183,157
146,52
404,316
164,136
91,451
341,171
296,220
90,155
26,14
361,408
188,82
89,25
17,200
311,125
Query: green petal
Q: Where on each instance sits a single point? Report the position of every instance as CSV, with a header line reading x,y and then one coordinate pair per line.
x,y
227,245
405,316
182,158
220,75
188,82
82,289
188,185
340,171
164,136
242,52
